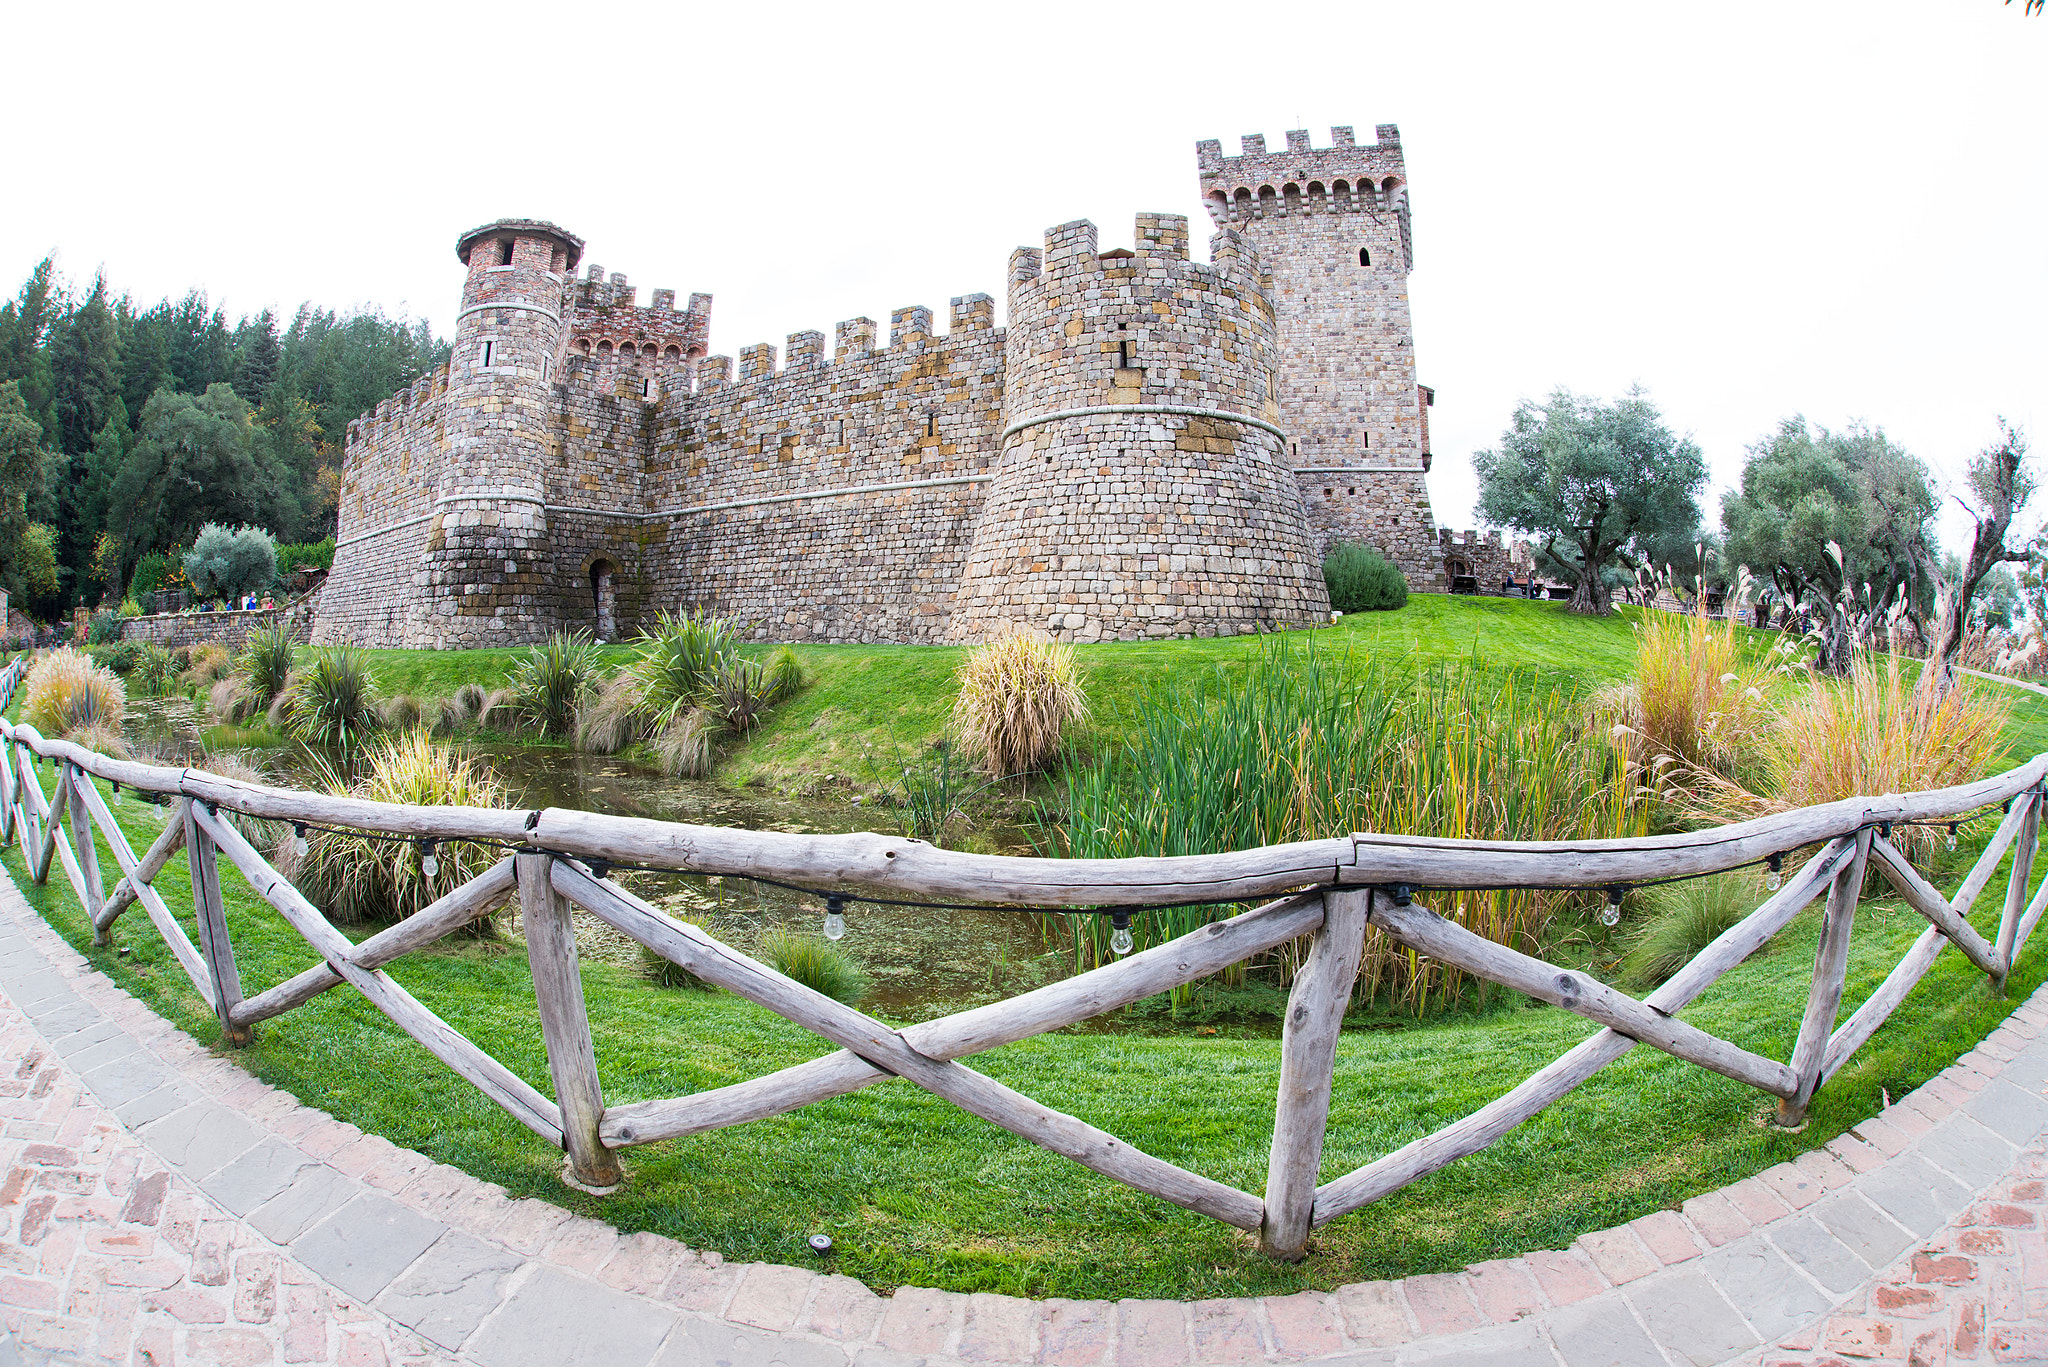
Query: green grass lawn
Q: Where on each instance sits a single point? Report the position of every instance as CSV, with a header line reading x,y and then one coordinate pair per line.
x,y
914,1191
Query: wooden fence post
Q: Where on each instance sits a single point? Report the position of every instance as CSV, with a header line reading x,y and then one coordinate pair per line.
x,y
2016,887
211,914
7,793
565,1025
1308,1056
88,852
1824,997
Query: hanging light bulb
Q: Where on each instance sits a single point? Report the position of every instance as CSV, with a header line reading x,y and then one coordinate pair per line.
x,y
1951,837
430,863
1610,915
835,917
299,839
1120,941
1775,879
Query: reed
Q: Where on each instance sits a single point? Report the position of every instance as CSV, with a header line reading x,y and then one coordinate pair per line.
x,y
1302,744
1698,703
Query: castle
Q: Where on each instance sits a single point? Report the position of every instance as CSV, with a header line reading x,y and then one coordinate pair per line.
x,y
1152,447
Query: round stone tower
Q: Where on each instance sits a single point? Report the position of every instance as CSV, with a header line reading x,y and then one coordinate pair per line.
x,y
481,579
1142,489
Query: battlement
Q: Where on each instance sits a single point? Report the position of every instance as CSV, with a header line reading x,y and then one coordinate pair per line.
x,y
1343,177
1074,249
408,404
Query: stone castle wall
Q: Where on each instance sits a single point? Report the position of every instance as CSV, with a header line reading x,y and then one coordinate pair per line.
x,y
1129,503
583,464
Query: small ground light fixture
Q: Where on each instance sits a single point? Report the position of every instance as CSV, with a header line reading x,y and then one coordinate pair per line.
x,y
821,1245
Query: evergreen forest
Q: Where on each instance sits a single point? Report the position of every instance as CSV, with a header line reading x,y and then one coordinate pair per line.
x,y
126,426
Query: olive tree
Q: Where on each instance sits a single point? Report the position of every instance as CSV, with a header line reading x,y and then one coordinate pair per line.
x,y
1600,488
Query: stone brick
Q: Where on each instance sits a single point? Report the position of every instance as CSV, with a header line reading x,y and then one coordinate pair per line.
x,y
1618,1254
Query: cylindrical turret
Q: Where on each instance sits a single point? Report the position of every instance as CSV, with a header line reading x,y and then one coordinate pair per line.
x,y
481,580
1142,490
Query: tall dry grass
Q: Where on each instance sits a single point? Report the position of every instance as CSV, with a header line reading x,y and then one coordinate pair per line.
x,y
1870,733
66,692
1018,696
1696,705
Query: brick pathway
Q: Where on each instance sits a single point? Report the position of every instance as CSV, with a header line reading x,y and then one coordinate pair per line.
x,y
160,1206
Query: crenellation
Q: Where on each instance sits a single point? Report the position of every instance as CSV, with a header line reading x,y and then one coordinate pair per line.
x,y
910,325
1132,457
853,337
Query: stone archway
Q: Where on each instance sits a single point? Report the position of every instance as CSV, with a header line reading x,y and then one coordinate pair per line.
x,y
604,598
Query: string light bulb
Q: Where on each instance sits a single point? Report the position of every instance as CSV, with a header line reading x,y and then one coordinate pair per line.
x,y
430,863
1610,915
1120,942
299,839
1951,837
835,917
1775,879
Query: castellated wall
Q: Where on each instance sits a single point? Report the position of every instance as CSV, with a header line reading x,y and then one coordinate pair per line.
x,y
386,502
1143,490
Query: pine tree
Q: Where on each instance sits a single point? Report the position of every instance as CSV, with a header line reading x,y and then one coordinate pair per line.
x,y
22,457
256,356
85,364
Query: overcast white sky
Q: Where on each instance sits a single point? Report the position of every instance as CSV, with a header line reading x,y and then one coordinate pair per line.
x,y
1753,209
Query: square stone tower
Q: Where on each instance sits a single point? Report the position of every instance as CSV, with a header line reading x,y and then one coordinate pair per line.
x,y
1332,226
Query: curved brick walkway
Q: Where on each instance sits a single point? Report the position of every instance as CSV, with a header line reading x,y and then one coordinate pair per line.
x,y
160,1206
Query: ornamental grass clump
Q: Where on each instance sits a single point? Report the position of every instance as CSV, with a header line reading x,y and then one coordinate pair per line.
x,y
205,663
1018,698
739,695
354,878
334,704
1871,733
817,964
67,692
1698,705
549,683
156,671
668,973
612,716
1684,919
266,663
678,663
684,746
461,708
1360,579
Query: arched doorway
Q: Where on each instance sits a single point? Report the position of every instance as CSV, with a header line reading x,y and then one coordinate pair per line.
x,y
604,599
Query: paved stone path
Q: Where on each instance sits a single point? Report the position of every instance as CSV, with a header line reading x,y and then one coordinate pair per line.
x,y
160,1206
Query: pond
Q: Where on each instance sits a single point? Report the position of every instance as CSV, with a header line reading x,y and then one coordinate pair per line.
x,y
920,963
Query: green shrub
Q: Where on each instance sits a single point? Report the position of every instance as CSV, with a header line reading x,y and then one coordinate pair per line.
x,y
332,702
1363,580
1685,919
817,964
157,572
119,657
266,661
104,629
317,554
549,683
224,563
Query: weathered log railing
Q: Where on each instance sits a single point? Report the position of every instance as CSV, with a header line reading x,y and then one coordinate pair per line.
x,y
1329,890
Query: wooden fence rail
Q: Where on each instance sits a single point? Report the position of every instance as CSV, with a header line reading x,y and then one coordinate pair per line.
x,y
1329,891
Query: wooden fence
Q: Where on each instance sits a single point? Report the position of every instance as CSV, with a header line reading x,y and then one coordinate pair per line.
x,y
1327,890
